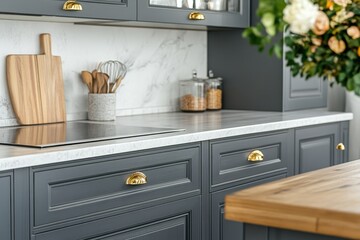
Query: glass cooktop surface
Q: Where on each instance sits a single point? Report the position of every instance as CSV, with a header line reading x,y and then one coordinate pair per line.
x,y
58,134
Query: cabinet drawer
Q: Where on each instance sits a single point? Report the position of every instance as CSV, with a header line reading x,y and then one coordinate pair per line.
x,y
179,220
66,192
230,164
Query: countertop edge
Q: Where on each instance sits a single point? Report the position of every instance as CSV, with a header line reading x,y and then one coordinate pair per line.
x,y
111,147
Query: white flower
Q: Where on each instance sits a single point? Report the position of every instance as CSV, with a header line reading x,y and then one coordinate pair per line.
x,y
300,15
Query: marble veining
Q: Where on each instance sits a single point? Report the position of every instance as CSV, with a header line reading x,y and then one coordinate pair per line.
x,y
199,127
156,59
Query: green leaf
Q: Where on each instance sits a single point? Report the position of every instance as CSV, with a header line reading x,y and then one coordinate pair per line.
x,y
342,76
350,85
357,79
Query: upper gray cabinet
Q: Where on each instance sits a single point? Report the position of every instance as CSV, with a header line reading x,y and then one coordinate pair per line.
x,y
216,13
254,80
94,9
213,13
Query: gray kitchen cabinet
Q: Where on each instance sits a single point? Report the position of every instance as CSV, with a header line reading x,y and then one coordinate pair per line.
x,y
69,193
316,147
222,229
183,197
92,9
233,13
257,81
231,164
265,233
178,220
6,207
216,13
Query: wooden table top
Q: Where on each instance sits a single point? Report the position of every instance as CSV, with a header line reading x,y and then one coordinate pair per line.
x,y
325,201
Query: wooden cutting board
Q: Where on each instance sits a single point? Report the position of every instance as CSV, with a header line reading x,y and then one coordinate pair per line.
x,y
36,86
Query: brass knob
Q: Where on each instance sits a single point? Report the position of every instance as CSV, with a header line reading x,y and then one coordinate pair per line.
x,y
137,178
72,5
340,147
196,16
256,156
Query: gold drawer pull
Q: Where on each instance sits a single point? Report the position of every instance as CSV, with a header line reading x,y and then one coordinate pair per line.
x,y
340,147
72,5
256,156
137,178
196,16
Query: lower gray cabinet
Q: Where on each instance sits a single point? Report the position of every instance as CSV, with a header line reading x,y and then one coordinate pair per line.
x,y
316,147
266,233
6,207
178,220
222,229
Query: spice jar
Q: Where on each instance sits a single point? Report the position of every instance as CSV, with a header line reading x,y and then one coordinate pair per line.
x,y
193,94
213,92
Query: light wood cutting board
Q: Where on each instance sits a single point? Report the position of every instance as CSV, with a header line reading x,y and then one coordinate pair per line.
x,y
36,86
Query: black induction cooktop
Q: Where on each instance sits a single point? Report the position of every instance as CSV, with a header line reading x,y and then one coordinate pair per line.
x,y
59,134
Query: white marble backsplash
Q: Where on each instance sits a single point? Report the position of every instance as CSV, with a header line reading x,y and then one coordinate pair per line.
x,y
156,59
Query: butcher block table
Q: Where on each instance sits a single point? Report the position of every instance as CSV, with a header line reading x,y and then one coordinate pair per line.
x,y
323,204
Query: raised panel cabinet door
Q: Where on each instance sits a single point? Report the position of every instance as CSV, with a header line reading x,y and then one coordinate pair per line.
x,y
5,207
225,13
315,147
96,9
67,192
179,220
222,229
300,93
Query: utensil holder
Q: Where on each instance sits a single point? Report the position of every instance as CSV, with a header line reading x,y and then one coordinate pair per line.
x,y
102,107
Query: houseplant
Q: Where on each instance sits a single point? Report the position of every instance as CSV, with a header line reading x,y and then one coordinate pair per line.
x,y
322,37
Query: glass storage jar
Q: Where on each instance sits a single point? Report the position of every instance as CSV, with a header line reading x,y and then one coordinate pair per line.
x,y
193,95
213,92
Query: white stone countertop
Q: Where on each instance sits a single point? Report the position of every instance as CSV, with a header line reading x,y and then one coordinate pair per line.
x,y
199,127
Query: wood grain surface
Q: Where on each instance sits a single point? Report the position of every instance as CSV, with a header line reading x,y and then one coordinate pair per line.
x,y
41,134
36,86
325,201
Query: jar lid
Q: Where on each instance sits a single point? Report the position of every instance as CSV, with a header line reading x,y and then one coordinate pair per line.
x,y
193,81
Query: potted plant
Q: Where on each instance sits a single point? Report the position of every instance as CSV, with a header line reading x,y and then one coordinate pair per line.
x,y
322,37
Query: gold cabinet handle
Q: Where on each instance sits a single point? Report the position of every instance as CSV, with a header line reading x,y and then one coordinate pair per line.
x,y
72,5
137,178
256,156
340,147
196,16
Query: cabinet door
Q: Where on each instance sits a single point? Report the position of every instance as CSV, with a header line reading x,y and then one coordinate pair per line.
x,y
178,220
101,9
219,13
222,229
315,147
5,207
303,94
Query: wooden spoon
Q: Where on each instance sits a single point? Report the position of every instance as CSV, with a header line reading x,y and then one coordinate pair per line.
x,y
102,80
95,82
87,79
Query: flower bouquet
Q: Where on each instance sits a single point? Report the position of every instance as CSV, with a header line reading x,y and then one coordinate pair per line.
x,y
322,37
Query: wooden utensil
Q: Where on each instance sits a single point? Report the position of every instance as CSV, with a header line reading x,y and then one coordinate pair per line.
x,y
36,86
102,79
87,79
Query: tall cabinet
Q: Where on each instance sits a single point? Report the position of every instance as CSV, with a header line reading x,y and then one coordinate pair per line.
x,y
257,81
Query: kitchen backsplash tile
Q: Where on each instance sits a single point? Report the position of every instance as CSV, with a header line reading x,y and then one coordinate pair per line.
x,y
156,58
